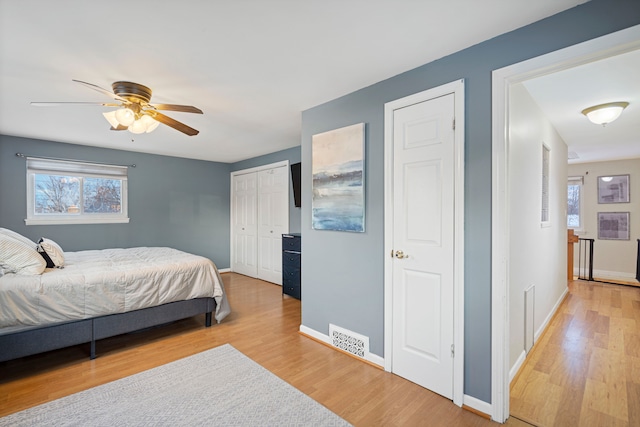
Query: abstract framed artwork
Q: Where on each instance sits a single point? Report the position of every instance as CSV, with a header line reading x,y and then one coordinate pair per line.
x,y
613,189
613,225
338,179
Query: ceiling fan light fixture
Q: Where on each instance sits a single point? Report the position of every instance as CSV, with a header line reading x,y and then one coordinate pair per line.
x,y
111,118
604,113
134,106
150,123
144,124
137,127
125,116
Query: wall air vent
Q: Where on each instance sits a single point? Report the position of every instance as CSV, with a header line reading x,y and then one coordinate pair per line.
x,y
349,341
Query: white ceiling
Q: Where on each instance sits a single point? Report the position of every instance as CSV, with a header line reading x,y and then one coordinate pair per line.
x,y
252,66
563,95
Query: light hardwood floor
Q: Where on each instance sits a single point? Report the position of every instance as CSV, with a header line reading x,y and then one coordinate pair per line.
x,y
264,326
585,368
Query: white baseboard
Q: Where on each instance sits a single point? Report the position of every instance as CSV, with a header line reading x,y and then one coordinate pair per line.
x,y
224,270
373,358
516,366
523,356
611,275
550,315
477,404
315,334
614,275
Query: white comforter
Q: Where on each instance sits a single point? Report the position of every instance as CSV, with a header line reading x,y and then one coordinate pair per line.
x,y
100,282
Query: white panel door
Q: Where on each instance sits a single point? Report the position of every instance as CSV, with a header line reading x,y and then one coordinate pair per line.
x,y
273,221
423,243
245,230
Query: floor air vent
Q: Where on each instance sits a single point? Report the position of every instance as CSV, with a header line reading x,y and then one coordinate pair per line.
x,y
349,341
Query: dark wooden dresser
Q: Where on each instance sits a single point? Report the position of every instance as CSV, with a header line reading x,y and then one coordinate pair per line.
x,y
291,264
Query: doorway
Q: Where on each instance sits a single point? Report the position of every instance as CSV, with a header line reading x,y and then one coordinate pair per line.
x,y
503,82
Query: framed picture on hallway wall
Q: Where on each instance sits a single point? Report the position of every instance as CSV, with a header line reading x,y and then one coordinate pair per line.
x,y
613,189
337,163
613,225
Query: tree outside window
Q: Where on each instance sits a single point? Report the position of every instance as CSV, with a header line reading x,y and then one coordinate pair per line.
x,y
574,194
64,192
57,194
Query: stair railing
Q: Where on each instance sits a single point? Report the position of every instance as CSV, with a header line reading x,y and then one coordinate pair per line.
x,y
585,259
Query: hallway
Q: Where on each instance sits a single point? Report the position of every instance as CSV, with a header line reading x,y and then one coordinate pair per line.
x,y
585,368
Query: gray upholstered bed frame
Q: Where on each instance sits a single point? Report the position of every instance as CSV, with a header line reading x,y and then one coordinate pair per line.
x,y
52,337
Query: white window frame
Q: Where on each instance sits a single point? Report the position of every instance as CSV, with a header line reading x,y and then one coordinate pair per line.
x,y
545,193
577,180
80,169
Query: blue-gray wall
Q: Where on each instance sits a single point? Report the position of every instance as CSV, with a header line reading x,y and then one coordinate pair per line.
x,y
342,273
293,156
174,202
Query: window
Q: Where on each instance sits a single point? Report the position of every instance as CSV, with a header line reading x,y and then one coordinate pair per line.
x,y
574,202
65,192
544,212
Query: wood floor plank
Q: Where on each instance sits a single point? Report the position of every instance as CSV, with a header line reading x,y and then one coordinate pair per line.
x,y
591,418
616,298
633,395
632,344
606,398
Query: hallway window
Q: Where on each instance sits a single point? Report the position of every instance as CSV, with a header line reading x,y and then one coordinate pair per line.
x,y
544,213
574,202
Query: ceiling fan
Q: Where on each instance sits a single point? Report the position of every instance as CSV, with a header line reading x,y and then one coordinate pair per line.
x,y
134,112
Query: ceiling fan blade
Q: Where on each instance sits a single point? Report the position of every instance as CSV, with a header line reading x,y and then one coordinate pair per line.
x,y
103,91
174,107
120,127
172,123
63,104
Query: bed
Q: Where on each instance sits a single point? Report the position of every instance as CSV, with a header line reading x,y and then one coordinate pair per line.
x,y
97,294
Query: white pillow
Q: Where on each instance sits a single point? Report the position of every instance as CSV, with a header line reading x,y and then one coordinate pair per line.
x,y
17,257
51,252
19,237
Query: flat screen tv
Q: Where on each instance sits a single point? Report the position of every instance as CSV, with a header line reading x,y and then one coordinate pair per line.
x,y
295,180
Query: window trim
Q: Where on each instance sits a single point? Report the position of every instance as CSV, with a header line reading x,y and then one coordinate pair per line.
x,y
545,193
37,165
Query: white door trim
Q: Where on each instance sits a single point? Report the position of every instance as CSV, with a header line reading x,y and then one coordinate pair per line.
x,y
260,168
457,88
603,47
231,207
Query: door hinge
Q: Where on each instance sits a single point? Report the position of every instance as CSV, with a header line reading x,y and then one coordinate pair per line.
x,y
453,125
453,351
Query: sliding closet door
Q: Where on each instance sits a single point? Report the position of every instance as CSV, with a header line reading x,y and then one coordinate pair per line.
x,y
273,221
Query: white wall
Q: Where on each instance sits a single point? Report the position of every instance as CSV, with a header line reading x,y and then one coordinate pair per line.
x,y
612,259
538,254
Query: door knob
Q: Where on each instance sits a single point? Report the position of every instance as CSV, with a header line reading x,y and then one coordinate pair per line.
x,y
399,255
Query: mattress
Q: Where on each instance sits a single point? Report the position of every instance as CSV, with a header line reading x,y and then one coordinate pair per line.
x,y
100,282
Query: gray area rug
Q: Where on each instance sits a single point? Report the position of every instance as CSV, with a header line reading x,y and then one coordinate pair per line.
x,y
218,387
